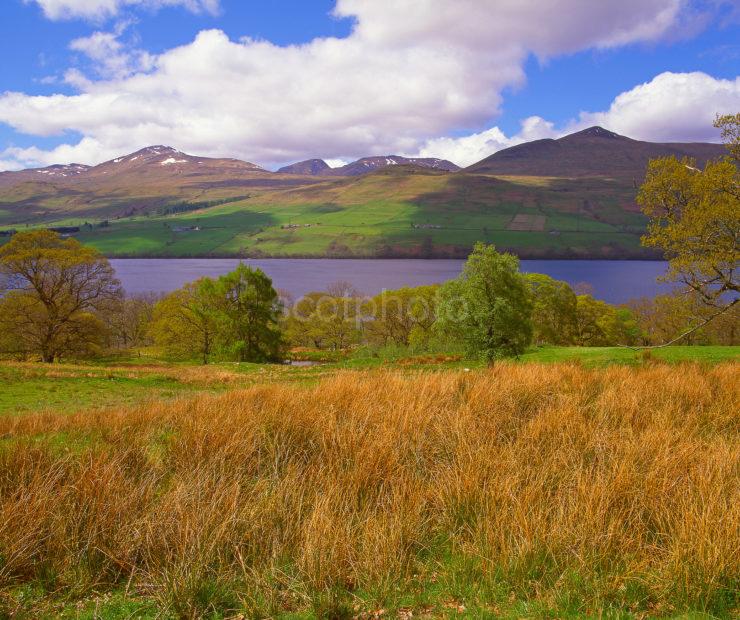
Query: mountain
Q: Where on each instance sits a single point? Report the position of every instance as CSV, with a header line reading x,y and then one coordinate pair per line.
x,y
310,167
152,179
366,165
55,172
568,198
164,162
592,152
153,162
370,164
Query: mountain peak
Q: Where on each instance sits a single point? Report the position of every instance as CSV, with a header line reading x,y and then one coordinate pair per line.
x,y
370,164
309,167
590,152
596,132
157,149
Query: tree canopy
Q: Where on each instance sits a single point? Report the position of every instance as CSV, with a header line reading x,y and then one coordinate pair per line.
x,y
488,307
695,219
554,310
53,290
235,315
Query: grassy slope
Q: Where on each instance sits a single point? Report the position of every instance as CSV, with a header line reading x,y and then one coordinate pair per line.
x,y
374,215
525,491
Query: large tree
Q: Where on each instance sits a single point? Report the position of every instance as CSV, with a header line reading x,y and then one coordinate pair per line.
x,y
554,311
695,219
402,316
185,322
324,321
249,310
53,290
488,307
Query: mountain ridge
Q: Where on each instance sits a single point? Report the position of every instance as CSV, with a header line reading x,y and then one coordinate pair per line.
x,y
594,151
574,197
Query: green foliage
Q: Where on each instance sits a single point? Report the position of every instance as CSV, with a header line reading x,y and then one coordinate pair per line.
x,y
665,317
695,219
184,322
237,315
247,309
554,310
128,320
54,292
403,316
488,307
324,321
599,324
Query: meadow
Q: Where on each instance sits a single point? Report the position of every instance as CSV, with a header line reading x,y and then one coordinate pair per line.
x,y
373,487
130,379
390,213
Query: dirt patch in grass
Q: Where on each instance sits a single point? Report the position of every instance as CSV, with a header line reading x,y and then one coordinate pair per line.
x,y
529,223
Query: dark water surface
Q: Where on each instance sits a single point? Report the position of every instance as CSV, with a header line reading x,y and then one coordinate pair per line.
x,y
611,280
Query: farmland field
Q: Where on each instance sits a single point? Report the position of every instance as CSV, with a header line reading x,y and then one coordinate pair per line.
x,y
380,215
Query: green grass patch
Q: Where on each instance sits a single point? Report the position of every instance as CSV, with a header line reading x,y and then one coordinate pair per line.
x,y
601,356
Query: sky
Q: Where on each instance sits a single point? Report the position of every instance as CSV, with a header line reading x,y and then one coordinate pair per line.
x,y
278,81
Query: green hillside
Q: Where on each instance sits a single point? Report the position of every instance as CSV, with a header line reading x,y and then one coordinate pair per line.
x,y
394,212
568,198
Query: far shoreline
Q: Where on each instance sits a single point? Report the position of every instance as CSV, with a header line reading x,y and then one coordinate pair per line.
x,y
647,257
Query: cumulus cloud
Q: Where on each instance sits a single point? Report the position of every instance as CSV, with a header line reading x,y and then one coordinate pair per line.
x,y
110,57
410,70
672,107
87,150
102,9
466,150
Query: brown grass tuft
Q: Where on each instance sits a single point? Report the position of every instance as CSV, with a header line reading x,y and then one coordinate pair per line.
x,y
580,488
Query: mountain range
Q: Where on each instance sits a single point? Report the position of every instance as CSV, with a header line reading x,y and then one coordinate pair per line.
x,y
365,165
570,197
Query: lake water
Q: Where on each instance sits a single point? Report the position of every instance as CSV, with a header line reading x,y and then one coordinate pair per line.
x,y
612,281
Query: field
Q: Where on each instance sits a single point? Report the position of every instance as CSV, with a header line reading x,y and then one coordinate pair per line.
x,y
605,486
387,214
124,381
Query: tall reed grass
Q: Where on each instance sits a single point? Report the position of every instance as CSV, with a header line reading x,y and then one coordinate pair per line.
x,y
557,487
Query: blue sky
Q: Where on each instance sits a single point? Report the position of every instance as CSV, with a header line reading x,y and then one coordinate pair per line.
x,y
371,93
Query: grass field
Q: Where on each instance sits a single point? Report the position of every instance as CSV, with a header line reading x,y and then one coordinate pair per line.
x,y
32,387
522,490
392,213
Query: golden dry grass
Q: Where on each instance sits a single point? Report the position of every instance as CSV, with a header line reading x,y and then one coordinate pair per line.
x,y
580,490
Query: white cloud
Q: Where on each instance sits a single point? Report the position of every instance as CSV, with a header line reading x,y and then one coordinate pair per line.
x,y
111,58
102,9
672,107
410,70
467,150
11,164
85,151
336,163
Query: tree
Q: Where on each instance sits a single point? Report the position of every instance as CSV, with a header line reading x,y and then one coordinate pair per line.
x,y
185,322
248,310
53,291
403,316
488,306
599,324
554,310
695,219
324,321
128,321
664,318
